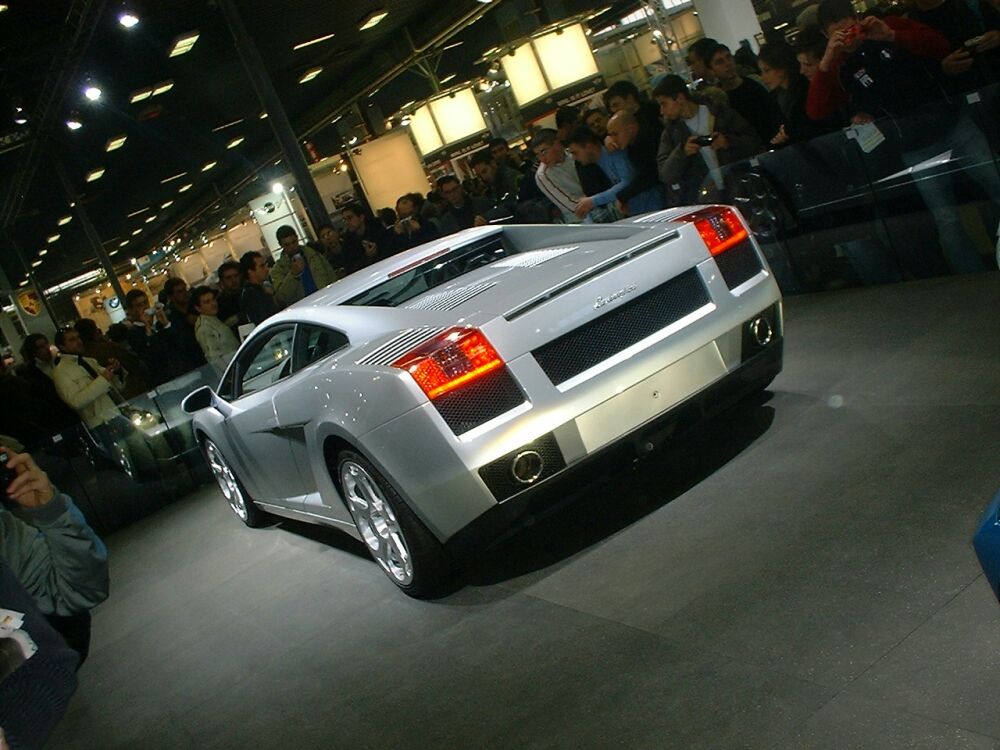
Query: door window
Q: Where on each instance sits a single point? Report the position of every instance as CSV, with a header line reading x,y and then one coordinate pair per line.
x,y
267,361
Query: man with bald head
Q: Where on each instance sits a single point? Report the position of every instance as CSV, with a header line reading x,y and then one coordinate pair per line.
x,y
640,142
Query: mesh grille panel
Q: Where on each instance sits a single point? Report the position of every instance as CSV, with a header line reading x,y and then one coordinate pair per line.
x,y
479,401
501,482
591,344
739,264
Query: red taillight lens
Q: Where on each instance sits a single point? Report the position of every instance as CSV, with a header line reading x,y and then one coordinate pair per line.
x,y
719,226
449,361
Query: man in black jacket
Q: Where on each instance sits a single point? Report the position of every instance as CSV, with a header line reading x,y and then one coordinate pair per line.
x,y
644,192
256,304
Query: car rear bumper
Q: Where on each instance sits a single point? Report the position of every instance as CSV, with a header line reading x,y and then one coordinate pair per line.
x,y
751,376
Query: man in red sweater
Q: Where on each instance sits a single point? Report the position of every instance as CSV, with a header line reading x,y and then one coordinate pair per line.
x,y
890,68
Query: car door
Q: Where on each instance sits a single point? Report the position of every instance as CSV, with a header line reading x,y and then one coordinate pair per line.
x,y
259,375
295,408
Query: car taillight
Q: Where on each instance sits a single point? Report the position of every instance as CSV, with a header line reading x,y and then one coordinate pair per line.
x,y
449,361
719,226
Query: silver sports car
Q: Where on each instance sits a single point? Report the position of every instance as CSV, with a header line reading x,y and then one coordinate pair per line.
x,y
426,401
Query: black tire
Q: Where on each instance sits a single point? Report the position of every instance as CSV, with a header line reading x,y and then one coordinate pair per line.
x,y
430,570
232,488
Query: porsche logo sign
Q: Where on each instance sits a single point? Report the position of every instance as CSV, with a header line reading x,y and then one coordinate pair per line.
x,y
30,302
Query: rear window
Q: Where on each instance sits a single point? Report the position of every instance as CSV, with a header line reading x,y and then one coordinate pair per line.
x,y
408,283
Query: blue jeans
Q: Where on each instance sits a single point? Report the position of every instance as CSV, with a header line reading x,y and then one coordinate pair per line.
x,y
971,153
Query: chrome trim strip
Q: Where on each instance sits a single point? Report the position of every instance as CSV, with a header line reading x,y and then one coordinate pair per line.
x,y
588,273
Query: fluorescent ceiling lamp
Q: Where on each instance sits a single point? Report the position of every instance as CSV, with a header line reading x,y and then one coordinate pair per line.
x,y
317,40
452,45
184,188
53,238
166,204
227,125
24,283
183,44
309,75
20,120
175,177
162,88
92,93
449,77
95,174
208,165
114,252
36,264
43,252
123,243
65,220
372,19
235,142
115,143
140,95
262,116
73,124
128,20
136,213
136,231
151,219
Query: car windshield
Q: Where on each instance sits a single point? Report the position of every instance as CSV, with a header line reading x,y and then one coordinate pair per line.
x,y
409,282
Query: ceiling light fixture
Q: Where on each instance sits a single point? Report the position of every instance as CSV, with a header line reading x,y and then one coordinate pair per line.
x,y
73,124
53,238
151,219
317,40
140,95
123,243
262,116
184,188
276,188
95,174
171,179
208,165
452,45
227,125
310,74
20,120
43,252
166,204
372,19
128,20
36,264
65,220
235,142
92,93
136,231
162,88
136,213
183,44
449,77
115,143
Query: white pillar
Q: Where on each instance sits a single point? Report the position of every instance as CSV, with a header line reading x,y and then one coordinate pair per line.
x,y
729,21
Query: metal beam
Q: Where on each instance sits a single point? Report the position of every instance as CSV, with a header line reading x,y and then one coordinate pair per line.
x,y
88,228
263,86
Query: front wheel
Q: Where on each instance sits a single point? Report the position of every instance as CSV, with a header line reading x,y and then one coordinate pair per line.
x,y
402,546
232,490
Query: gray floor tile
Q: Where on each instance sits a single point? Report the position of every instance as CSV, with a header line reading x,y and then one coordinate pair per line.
x,y
849,722
949,668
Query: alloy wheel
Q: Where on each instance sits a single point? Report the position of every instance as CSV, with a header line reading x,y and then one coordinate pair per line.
x,y
377,522
227,480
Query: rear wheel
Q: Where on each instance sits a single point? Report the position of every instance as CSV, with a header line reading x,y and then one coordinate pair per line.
x,y
232,490
402,546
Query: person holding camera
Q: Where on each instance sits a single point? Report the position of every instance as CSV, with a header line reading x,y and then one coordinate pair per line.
x,y
50,548
300,270
149,335
410,230
698,140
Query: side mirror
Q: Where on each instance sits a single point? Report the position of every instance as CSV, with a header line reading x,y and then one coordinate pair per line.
x,y
197,400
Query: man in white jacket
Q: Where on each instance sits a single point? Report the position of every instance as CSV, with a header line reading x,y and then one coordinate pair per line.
x,y
215,337
82,383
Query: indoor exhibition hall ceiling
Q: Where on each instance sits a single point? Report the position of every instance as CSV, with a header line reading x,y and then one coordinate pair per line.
x,y
174,140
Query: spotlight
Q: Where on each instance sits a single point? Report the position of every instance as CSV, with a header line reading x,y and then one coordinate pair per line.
x,y
128,20
73,124
277,188
92,93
